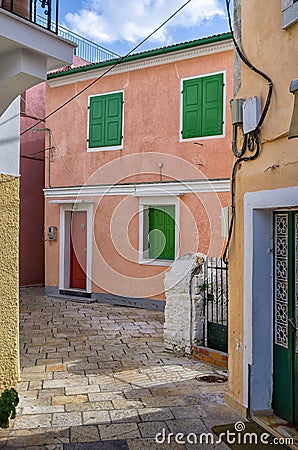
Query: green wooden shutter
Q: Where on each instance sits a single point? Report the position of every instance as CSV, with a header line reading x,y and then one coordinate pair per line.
x,y
105,120
113,119
162,232
212,105
192,108
96,121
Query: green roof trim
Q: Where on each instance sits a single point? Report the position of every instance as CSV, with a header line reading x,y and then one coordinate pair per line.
x,y
147,54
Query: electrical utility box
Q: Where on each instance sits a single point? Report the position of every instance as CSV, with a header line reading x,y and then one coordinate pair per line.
x,y
251,114
236,110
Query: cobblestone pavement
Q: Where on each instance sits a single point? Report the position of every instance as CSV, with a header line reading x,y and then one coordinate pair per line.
x,y
96,376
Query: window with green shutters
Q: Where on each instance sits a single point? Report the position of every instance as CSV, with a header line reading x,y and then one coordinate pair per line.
x,y
105,120
202,106
161,235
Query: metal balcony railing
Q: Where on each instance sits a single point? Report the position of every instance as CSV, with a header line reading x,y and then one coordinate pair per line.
x,y
34,9
45,14
86,49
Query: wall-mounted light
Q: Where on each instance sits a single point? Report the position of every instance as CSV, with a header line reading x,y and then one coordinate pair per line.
x,y
160,165
293,131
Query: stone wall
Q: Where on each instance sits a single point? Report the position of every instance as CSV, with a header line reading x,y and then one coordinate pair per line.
x,y
184,308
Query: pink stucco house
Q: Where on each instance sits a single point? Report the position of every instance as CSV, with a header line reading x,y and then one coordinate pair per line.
x,y
139,170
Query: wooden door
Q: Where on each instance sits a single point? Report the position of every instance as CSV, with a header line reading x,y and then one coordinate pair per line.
x,y
78,249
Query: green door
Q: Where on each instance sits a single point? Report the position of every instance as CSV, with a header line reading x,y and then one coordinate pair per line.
x,y
162,232
285,371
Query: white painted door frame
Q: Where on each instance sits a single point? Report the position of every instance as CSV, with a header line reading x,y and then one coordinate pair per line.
x,y
258,292
64,254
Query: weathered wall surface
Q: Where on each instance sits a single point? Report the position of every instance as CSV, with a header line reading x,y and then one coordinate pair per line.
x,y
31,189
152,98
115,254
9,289
271,49
151,136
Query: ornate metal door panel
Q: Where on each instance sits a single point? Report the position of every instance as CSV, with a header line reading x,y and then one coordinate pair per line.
x,y
295,327
285,378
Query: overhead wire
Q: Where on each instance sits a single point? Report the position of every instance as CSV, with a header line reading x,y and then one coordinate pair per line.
x,y
32,158
252,67
28,116
28,106
251,140
119,61
31,155
33,117
60,154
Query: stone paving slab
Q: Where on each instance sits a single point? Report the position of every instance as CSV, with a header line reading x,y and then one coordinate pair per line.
x,y
110,445
98,376
150,444
88,433
35,437
118,431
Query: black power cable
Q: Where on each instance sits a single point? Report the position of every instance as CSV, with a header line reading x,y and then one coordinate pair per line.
x,y
251,141
257,142
252,67
238,153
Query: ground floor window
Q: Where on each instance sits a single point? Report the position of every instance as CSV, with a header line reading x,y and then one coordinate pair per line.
x,y
159,230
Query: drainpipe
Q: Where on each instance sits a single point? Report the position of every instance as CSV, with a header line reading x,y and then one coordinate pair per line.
x,y
237,34
49,149
249,393
49,157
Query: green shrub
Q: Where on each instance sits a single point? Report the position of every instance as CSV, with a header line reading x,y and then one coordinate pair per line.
x,y
8,402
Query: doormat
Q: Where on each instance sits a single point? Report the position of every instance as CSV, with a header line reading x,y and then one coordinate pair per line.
x,y
245,436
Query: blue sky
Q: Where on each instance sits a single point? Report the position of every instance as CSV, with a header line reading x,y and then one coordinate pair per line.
x,y
120,24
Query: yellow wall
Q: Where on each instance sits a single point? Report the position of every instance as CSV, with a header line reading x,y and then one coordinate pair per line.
x,y
9,275
274,51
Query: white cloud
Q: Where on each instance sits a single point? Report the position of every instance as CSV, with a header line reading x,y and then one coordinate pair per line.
x,y
108,21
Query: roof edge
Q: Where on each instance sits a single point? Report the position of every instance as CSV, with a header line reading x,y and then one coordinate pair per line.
x,y
150,53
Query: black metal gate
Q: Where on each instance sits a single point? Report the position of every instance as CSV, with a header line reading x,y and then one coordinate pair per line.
x,y
215,297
